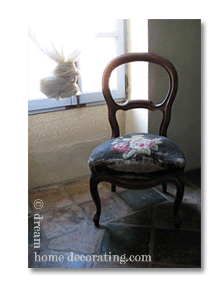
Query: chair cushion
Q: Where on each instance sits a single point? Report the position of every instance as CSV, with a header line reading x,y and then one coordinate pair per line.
x,y
137,156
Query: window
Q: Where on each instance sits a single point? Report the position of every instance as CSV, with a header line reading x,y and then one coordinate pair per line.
x,y
109,42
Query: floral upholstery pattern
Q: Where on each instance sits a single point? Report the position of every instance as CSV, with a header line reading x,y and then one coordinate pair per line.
x,y
137,156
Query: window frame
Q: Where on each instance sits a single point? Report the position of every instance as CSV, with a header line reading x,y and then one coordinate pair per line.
x,y
90,98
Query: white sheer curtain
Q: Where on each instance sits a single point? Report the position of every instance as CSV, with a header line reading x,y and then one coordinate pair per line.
x,y
62,41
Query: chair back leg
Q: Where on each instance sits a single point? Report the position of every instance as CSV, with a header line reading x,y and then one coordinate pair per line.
x,y
178,199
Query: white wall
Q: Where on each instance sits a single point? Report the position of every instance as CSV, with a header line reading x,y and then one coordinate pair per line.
x,y
137,38
180,42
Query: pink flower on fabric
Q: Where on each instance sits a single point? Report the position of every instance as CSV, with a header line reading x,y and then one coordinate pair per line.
x,y
140,143
121,147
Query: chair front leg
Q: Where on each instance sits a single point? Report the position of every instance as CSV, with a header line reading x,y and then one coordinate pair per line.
x,y
95,196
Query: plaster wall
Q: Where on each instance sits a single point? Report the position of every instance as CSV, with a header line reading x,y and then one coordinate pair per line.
x,y
180,42
60,143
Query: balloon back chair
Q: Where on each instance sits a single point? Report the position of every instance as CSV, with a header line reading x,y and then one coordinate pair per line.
x,y
138,160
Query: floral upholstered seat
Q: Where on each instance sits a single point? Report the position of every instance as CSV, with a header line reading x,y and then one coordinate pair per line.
x,y
137,156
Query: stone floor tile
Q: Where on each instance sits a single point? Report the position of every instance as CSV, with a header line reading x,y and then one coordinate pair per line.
x,y
194,177
44,188
52,199
58,222
190,187
31,251
171,190
190,198
110,265
144,217
122,239
30,209
80,191
65,229
189,213
72,182
140,199
108,186
197,194
31,231
54,259
111,208
177,247
83,240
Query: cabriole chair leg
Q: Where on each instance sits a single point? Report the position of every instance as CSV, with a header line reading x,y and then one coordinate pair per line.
x,y
96,199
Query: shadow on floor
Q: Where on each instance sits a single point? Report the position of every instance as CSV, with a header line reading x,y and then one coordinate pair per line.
x,y
136,228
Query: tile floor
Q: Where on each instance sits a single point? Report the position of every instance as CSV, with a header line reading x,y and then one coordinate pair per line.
x,y
132,223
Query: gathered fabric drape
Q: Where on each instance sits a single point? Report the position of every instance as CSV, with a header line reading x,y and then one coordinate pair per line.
x,y
74,37
62,82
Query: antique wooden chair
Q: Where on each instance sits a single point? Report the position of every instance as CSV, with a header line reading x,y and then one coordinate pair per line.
x,y
138,160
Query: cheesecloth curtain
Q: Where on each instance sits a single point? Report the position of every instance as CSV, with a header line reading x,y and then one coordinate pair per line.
x,y
70,40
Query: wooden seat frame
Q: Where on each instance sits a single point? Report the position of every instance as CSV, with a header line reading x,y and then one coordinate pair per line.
x,y
164,107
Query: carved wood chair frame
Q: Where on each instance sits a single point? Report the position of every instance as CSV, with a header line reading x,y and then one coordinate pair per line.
x,y
164,107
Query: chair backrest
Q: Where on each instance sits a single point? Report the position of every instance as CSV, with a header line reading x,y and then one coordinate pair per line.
x,y
164,107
